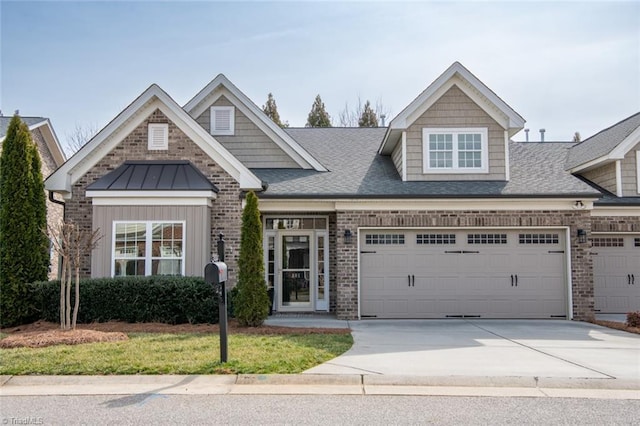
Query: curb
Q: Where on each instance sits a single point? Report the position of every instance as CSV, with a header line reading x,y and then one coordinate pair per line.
x,y
312,384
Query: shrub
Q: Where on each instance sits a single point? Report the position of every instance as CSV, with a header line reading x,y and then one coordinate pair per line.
x,y
171,300
251,303
633,319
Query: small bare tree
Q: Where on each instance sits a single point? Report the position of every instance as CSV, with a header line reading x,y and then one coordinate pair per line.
x,y
79,136
71,242
350,117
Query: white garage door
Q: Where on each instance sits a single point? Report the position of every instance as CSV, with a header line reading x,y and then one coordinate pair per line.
x,y
616,271
471,273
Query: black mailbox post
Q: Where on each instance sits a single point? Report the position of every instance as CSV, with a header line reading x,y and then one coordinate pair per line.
x,y
215,273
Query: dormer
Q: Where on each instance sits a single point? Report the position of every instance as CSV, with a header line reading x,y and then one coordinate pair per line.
x,y
245,130
456,129
611,158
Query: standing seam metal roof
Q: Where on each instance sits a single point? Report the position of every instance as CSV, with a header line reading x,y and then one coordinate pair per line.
x,y
154,176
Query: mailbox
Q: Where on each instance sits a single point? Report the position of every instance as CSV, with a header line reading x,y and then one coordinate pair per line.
x,y
215,273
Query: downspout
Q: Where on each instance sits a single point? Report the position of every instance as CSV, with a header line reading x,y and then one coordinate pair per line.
x,y
64,217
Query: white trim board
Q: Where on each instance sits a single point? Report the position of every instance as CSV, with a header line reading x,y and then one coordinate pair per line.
x,y
461,204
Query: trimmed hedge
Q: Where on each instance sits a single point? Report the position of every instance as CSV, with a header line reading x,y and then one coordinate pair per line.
x,y
165,299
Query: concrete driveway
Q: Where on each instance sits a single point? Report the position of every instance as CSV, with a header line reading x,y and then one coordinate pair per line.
x,y
496,348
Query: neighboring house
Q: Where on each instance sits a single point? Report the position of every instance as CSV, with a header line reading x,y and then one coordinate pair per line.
x,y
437,215
610,161
52,157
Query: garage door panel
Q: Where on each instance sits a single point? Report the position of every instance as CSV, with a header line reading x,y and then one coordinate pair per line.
x,y
616,266
471,274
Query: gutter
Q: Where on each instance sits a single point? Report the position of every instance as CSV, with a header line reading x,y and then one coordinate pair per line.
x,y
62,203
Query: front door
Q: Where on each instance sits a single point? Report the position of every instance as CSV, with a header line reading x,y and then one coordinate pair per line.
x,y
295,290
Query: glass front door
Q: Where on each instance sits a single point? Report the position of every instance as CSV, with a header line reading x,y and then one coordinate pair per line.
x,y
295,273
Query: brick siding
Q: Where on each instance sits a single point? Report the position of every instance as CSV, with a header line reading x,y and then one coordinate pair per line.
x,y
227,208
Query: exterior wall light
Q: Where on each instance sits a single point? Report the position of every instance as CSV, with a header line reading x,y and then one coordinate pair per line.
x,y
582,236
347,236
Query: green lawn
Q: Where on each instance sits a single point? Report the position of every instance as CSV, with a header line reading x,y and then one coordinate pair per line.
x,y
152,353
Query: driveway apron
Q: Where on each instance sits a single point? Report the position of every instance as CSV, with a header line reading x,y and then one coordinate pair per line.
x,y
498,348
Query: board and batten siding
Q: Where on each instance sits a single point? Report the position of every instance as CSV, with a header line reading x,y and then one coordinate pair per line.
x,y
396,156
629,171
604,176
197,249
249,144
455,110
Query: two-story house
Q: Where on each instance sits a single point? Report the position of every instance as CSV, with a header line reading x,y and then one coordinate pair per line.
x,y
438,215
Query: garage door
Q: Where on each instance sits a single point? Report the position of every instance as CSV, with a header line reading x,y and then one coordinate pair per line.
x,y
445,274
616,270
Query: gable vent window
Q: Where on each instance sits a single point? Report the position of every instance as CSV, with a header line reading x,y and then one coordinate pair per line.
x,y
487,238
158,136
455,150
222,120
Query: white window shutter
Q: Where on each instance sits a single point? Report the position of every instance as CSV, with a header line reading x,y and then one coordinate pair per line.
x,y
158,136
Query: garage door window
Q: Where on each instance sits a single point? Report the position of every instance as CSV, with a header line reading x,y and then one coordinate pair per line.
x,y
386,239
435,239
487,238
538,239
608,242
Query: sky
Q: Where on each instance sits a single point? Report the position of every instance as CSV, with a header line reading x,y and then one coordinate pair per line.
x,y
563,66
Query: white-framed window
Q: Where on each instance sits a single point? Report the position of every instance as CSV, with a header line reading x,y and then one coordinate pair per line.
x,y
222,120
158,134
148,248
463,150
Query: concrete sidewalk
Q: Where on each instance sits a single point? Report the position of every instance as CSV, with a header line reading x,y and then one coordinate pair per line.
x,y
309,384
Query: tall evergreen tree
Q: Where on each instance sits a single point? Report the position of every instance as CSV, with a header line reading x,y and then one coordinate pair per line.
x,y
251,304
318,116
22,222
368,117
41,255
271,109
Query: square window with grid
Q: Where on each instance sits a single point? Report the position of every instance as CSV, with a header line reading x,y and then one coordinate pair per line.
x,y
607,242
386,239
636,242
487,238
435,239
539,238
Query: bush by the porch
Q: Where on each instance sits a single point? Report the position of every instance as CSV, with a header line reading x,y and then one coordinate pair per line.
x,y
166,299
251,304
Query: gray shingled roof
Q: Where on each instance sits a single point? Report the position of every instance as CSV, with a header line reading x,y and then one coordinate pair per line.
x,y
4,123
154,176
602,143
356,169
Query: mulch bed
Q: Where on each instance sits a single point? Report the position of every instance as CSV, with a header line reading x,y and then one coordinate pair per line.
x,y
617,326
43,333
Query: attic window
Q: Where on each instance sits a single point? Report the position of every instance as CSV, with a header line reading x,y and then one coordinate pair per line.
x,y
222,120
455,150
158,136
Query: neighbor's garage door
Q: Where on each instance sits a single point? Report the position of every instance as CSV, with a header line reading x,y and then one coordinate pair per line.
x,y
440,274
616,270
